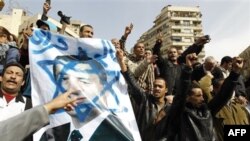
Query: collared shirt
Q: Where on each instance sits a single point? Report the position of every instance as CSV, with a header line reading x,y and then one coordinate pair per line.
x,y
224,72
14,107
91,126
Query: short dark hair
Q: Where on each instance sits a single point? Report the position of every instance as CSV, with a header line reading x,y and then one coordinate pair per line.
x,y
14,64
149,49
160,78
172,47
194,84
5,31
226,59
81,60
86,25
136,44
39,23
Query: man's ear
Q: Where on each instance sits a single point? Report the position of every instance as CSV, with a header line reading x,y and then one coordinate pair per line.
x,y
166,91
1,78
23,82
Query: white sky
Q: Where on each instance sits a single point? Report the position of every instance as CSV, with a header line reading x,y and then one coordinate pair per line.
x,y
226,21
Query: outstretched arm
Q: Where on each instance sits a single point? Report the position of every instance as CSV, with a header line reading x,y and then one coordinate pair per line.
x,y
136,92
178,105
227,87
157,49
33,119
62,30
124,37
194,48
185,80
46,8
143,66
62,101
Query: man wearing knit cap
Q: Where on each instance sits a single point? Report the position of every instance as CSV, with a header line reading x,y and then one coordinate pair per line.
x,y
42,25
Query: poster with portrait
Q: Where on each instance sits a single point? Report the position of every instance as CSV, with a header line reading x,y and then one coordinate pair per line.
x,y
89,68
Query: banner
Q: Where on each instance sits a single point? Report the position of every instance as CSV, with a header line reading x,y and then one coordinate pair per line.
x,y
88,67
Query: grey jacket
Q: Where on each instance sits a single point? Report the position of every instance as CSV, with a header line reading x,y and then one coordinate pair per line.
x,y
24,124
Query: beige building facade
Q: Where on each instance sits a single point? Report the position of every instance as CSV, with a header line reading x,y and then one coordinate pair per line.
x,y
179,25
246,55
18,21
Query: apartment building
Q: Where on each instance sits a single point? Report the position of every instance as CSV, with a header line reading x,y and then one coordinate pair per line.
x,y
179,25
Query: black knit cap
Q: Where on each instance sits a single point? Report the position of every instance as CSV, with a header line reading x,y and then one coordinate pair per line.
x,y
226,59
39,23
14,64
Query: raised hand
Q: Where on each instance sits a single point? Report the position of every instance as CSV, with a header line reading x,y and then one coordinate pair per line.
x,y
159,37
152,58
190,58
46,8
62,101
202,40
128,30
121,60
237,64
119,55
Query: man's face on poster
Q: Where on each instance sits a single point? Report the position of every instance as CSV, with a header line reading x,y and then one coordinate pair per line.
x,y
85,81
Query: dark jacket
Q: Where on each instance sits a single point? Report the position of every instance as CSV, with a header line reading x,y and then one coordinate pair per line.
x,y
187,123
9,53
110,129
199,72
169,71
147,111
240,88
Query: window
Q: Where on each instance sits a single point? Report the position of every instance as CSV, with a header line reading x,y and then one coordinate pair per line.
x,y
176,31
186,23
176,38
187,39
186,31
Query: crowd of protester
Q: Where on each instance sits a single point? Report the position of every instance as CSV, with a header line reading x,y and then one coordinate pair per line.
x,y
174,98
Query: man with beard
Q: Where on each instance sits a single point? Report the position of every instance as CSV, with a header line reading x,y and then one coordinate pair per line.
x,y
190,118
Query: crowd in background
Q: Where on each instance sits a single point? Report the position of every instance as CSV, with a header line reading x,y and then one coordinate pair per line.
x,y
174,98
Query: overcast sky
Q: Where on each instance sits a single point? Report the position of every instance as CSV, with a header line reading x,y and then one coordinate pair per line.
x,y
226,21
